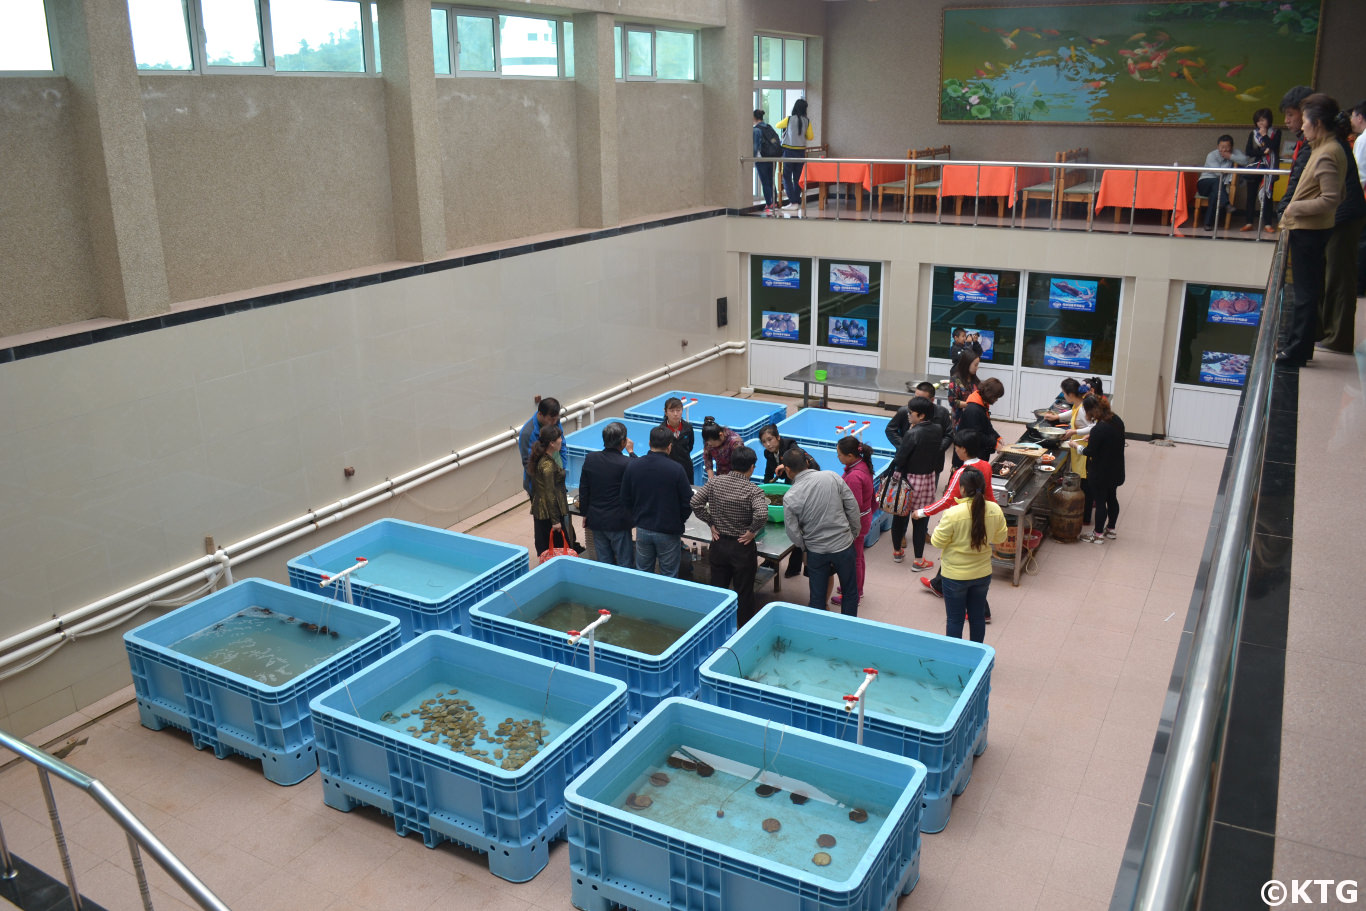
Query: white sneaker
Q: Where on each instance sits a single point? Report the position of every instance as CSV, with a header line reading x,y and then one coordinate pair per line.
x,y
790,207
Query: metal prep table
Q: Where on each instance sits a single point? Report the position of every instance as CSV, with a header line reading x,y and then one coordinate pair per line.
x,y
772,540
849,376
1022,498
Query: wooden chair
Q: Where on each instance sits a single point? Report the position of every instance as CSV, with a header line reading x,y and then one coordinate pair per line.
x,y
1201,203
895,187
925,179
1049,190
1078,184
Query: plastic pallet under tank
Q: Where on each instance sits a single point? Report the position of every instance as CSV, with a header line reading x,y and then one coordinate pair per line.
x,y
236,714
512,815
945,739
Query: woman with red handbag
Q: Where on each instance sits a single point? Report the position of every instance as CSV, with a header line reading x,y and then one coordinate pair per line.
x,y
549,498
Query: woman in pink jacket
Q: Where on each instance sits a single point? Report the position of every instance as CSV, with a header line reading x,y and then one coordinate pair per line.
x,y
857,459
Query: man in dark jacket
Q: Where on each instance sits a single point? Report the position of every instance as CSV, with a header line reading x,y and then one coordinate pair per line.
x,y
604,514
657,492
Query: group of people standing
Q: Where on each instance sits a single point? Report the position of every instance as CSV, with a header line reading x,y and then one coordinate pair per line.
x,y
795,131
1324,210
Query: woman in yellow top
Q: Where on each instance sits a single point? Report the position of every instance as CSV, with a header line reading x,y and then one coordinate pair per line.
x,y
1310,217
964,537
796,132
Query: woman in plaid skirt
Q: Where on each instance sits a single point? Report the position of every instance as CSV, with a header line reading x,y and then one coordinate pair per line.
x,y
918,458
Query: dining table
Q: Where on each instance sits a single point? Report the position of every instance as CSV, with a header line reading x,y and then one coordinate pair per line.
x,y
1000,181
854,173
1168,191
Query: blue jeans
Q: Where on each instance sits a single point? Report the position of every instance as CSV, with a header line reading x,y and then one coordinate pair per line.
x,y
652,546
765,171
842,564
792,173
614,547
966,596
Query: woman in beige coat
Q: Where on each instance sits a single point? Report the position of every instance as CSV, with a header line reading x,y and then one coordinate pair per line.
x,y
1309,217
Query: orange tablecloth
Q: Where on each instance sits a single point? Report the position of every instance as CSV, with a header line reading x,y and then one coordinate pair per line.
x,y
1155,190
988,180
869,175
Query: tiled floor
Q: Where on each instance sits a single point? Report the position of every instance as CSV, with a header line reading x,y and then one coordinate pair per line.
x,y
1084,652
1319,831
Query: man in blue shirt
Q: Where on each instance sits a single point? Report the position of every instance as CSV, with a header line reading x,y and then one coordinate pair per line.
x,y
547,414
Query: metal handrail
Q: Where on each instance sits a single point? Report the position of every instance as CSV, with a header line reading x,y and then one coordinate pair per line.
x,y
138,834
1173,855
1052,166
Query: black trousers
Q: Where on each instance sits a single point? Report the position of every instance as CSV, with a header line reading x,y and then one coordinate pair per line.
x,y
541,532
1107,507
1307,265
919,531
732,566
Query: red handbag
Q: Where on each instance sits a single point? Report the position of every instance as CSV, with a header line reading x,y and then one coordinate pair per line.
x,y
562,550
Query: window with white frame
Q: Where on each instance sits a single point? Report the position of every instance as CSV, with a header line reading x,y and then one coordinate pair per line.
x,y
24,43
303,36
489,43
779,78
647,54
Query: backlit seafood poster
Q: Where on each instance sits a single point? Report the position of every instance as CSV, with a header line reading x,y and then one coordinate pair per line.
x,y
984,337
1068,353
848,278
1210,62
1072,294
782,273
851,333
780,326
975,287
1223,368
1240,308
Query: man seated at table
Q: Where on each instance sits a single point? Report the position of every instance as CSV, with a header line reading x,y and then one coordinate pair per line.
x,y
1215,186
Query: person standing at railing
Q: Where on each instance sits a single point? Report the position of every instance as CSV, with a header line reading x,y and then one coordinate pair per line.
x,y
1358,118
797,132
1263,150
1309,218
766,145
1215,186
1337,313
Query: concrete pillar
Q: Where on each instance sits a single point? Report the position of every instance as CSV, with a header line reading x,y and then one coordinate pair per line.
x,y
405,40
727,68
95,43
595,99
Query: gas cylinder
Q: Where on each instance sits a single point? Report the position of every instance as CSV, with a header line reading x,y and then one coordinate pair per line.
x,y
1065,504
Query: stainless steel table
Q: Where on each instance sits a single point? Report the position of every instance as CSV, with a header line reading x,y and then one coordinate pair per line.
x,y
850,376
772,540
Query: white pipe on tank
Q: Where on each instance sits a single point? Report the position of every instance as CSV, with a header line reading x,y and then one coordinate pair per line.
x,y
111,608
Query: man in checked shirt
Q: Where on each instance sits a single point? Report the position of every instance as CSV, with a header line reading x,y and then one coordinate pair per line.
x,y
737,510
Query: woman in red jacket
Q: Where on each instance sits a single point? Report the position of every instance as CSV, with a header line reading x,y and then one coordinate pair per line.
x,y
857,459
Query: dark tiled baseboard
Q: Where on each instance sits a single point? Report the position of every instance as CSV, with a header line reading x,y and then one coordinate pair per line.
x,y
180,318
32,889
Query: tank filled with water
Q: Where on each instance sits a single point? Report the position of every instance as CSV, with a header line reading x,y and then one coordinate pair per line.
x,y
265,646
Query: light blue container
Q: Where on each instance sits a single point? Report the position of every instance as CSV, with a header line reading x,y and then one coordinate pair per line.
x,y
825,455
426,577
816,426
645,843
236,714
706,613
512,815
745,416
580,443
941,727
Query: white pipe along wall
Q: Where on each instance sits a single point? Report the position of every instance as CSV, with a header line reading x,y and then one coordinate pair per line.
x,y
45,638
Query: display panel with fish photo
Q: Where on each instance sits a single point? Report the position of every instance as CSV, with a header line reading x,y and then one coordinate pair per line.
x,y
1223,369
1072,294
975,287
1211,62
1240,308
782,273
850,333
850,278
782,327
1071,353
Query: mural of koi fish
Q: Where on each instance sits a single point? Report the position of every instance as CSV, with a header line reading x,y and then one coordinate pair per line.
x,y
1226,87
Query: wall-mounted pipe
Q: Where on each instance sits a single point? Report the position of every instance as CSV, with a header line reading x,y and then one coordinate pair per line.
x,y
113,608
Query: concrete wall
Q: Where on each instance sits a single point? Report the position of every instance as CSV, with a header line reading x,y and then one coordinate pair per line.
x,y
1154,269
46,274
262,180
121,456
883,92
509,164
659,135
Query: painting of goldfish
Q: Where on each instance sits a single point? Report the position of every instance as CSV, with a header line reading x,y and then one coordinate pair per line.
x,y
1124,61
